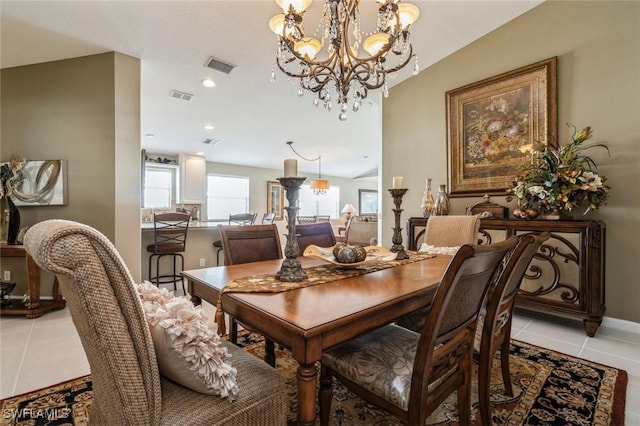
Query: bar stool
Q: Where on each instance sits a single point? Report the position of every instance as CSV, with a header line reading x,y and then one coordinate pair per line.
x,y
170,239
235,219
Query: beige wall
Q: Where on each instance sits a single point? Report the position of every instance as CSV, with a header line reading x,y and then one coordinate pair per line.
x,y
86,111
598,50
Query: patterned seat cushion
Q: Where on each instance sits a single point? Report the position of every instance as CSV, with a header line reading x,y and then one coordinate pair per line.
x,y
380,361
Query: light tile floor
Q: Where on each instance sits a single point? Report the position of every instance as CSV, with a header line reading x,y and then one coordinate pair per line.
x,y
45,351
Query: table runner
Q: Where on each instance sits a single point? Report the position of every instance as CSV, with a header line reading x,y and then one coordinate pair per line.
x,y
267,283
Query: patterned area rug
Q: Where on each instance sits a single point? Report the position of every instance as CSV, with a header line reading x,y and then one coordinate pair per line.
x,y
550,388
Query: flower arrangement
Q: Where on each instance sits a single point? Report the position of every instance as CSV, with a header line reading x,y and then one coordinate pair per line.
x,y
561,178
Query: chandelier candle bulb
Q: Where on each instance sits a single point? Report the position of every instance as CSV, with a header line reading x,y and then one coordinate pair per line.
x,y
290,168
398,182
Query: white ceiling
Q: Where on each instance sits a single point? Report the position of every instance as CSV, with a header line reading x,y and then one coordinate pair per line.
x,y
252,117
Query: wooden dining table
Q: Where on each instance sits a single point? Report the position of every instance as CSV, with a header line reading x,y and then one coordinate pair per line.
x,y
312,319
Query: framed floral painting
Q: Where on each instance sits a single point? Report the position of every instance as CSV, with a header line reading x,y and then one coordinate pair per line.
x,y
493,124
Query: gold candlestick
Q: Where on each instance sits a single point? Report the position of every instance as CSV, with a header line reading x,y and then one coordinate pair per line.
x,y
397,231
291,270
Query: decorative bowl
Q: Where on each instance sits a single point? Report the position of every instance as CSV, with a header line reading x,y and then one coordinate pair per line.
x,y
375,254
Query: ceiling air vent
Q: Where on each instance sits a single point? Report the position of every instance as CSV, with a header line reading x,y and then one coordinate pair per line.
x,y
180,95
213,142
219,65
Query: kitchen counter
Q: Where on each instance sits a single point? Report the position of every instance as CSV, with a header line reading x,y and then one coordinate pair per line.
x,y
194,224
199,251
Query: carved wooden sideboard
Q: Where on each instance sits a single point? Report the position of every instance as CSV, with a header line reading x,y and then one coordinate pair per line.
x,y
566,276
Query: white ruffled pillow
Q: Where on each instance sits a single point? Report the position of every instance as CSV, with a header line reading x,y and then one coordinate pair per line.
x,y
426,248
187,343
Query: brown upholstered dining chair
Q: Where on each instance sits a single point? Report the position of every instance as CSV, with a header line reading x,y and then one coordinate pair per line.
x,y
268,218
319,234
170,240
251,243
241,219
108,315
494,323
306,219
435,362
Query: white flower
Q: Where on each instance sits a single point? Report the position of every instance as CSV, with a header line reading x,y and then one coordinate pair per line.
x,y
538,191
591,181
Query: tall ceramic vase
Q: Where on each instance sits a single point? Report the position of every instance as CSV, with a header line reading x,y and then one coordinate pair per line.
x,y
13,225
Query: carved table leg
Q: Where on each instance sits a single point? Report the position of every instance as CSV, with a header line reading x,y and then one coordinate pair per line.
x,y
306,376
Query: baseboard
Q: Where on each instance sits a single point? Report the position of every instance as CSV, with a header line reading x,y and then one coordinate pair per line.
x,y
22,297
620,324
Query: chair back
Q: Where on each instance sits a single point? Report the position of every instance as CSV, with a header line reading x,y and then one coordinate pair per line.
x,y
452,231
251,243
242,218
108,315
323,218
268,218
170,232
306,219
362,233
502,296
319,234
452,318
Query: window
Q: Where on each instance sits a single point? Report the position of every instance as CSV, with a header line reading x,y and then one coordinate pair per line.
x,y
327,204
159,186
226,195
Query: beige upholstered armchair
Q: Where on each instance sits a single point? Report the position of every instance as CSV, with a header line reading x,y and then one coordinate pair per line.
x,y
361,232
107,312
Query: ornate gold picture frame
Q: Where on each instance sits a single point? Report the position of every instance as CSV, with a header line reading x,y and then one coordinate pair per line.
x,y
275,199
492,125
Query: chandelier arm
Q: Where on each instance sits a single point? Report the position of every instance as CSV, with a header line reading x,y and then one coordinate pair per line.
x,y
381,80
328,75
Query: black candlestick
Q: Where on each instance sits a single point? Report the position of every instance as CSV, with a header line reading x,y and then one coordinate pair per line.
x,y
397,231
291,270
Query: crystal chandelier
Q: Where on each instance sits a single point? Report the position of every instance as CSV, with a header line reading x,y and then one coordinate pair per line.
x,y
318,186
341,66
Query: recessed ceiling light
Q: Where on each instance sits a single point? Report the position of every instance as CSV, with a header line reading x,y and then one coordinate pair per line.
x,y
209,126
199,153
149,135
207,82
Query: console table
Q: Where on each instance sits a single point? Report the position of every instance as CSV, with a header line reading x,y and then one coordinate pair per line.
x,y
567,275
33,307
